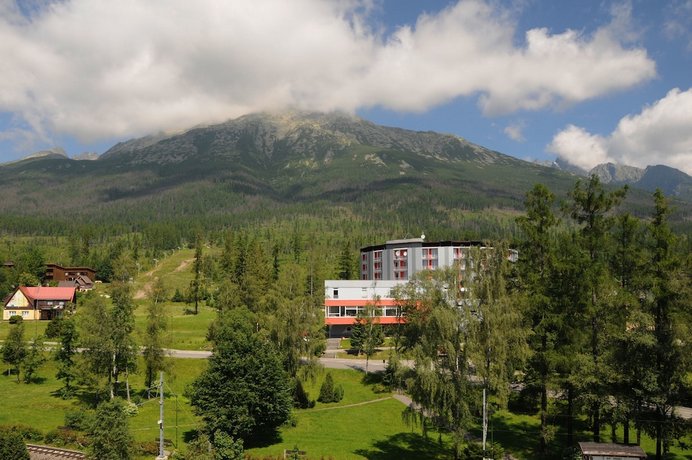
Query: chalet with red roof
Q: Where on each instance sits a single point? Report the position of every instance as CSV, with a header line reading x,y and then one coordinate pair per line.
x,y
40,302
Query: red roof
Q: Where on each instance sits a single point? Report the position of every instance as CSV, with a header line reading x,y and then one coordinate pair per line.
x,y
48,293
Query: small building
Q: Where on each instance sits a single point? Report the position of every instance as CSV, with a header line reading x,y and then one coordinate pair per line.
x,y
610,451
35,303
81,278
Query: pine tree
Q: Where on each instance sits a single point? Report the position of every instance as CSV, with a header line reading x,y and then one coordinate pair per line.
x,y
590,207
669,306
536,260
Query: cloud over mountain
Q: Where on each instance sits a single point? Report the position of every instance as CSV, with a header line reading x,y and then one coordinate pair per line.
x,y
95,69
659,134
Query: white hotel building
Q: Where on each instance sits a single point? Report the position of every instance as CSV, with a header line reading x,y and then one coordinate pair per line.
x,y
382,268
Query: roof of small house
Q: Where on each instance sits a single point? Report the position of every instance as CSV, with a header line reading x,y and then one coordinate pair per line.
x,y
48,293
611,449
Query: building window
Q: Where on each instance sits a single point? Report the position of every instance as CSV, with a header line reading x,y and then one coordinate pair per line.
x,y
334,311
13,313
364,257
25,314
378,255
335,294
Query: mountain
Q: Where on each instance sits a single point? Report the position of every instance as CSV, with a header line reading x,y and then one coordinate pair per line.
x,y
610,173
671,181
333,167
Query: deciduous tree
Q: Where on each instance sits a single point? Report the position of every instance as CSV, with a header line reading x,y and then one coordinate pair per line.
x,y
109,432
65,355
14,349
244,391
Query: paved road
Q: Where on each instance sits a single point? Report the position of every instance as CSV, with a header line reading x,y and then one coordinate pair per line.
x,y
332,363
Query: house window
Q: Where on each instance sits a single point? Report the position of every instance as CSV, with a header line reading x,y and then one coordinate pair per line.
x,y
25,314
12,313
335,294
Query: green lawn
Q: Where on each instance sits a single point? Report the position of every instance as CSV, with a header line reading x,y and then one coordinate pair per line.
x,y
185,331
367,423
39,405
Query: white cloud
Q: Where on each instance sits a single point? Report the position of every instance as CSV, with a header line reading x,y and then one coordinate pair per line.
x,y
580,148
677,25
659,134
515,131
97,68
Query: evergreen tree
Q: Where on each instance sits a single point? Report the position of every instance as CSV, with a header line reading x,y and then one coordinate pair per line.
x,y
590,207
329,392
14,350
633,336
536,260
345,262
669,306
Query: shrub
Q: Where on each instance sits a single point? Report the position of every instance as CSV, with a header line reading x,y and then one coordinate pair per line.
x,y
130,409
14,319
66,437
54,327
27,433
329,392
147,448
178,296
77,420
12,446
301,399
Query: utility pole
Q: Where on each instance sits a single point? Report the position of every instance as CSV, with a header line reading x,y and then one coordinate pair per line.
x,y
162,455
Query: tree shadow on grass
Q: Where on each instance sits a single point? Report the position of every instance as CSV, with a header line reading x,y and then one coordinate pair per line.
x,y
404,446
517,437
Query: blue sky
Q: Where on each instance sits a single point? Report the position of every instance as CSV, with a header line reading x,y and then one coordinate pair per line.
x,y
590,81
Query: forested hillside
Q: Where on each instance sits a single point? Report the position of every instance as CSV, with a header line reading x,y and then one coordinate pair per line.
x,y
338,171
